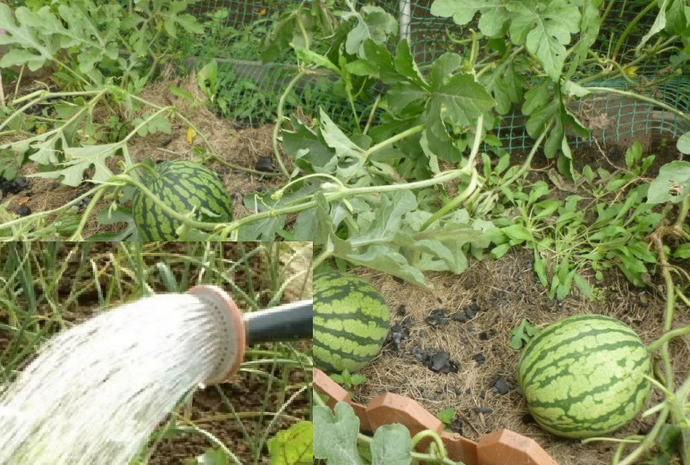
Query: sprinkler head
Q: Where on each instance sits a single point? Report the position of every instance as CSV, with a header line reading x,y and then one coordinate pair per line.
x,y
231,323
288,322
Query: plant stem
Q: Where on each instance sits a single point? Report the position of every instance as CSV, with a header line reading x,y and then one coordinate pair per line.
x,y
667,337
87,213
371,114
51,212
648,440
433,435
390,141
469,190
682,213
321,258
453,204
630,27
281,117
339,195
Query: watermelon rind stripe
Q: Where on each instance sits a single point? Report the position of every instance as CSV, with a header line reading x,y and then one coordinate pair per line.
x,y
348,343
351,321
534,371
185,187
570,372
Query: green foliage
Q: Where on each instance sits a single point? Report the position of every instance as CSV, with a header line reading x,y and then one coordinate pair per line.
x,y
446,416
338,442
91,36
522,334
292,446
672,184
335,439
571,235
543,27
348,380
211,457
103,54
669,443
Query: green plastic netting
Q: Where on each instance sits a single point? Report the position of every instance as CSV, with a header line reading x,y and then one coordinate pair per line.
x,y
251,90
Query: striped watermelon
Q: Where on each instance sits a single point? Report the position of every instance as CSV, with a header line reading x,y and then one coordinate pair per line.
x,y
351,322
584,376
184,186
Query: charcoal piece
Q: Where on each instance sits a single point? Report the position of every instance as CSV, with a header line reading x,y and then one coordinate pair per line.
x,y
437,318
264,164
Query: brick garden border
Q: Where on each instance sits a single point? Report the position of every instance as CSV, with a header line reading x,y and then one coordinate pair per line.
x,y
502,447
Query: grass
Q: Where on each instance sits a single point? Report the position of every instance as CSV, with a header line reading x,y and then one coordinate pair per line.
x,y
49,287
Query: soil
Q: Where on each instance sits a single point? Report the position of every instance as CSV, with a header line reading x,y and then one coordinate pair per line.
x,y
232,412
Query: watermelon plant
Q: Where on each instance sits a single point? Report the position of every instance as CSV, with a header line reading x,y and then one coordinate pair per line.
x,y
184,186
585,376
390,444
351,321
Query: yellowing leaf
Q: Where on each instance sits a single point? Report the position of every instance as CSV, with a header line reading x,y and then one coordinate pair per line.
x,y
292,446
191,134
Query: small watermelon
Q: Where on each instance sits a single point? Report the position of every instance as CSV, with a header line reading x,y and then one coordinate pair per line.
x,y
351,322
585,376
184,186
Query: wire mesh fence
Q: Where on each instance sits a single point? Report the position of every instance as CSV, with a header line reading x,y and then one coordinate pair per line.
x,y
236,30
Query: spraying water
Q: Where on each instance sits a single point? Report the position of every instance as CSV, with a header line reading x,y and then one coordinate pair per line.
x,y
97,391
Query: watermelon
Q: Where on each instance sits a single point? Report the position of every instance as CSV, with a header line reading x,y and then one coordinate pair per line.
x,y
351,321
585,376
184,186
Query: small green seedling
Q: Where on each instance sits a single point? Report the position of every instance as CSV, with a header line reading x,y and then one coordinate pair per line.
x,y
348,380
522,334
446,416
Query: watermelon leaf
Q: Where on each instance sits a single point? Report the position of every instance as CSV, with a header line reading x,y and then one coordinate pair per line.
x,y
79,159
335,439
121,215
672,184
392,445
374,254
335,436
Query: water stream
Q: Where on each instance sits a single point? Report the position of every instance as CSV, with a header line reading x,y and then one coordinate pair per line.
x,y
96,392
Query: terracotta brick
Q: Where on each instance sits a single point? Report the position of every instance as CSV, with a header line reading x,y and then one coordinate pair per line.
x,y
361,412
326,385
391,408
335,393
460,449
508,447
504,447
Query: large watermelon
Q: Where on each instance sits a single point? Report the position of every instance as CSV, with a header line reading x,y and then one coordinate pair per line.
x,y
584,376
351,322
184,186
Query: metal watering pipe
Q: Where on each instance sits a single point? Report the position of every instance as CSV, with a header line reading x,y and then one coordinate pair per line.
x,y
288,322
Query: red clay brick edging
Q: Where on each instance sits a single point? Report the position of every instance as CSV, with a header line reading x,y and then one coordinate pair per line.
x,y
503,447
